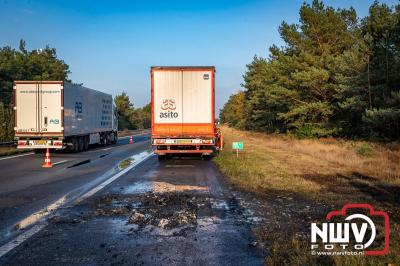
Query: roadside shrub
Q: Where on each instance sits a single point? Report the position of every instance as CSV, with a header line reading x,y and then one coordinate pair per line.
x,y
305,131
365,150
310,131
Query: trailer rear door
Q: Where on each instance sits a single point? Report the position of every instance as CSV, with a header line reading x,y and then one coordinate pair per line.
x,y
182,101
167,102
38,108
197,102
50,110
26,103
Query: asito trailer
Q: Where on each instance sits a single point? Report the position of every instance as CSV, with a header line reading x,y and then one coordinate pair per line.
x,y
183,110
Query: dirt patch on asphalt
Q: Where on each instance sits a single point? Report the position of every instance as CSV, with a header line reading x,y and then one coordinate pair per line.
x,y
173,210
164,210
160,187
167,210
66,220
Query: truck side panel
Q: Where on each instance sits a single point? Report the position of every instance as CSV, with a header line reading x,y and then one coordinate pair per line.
x,y
86,111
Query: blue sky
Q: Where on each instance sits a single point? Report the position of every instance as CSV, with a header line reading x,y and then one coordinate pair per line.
x,y
110,45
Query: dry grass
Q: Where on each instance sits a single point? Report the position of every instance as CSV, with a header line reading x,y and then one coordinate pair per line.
x,y
315,176
382,163
287,159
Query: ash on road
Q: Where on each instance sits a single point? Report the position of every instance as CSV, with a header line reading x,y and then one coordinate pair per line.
x,y
174,212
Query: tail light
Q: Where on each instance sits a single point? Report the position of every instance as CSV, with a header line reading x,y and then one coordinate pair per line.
x,y
22,142
57,143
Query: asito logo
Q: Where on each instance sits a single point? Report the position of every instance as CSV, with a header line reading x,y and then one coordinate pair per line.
x,y
353,232
168,105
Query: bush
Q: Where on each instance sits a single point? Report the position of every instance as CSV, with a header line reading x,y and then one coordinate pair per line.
x,y
307,131
365,150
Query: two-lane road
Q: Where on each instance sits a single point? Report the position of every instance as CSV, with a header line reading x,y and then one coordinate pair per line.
x,y
26,187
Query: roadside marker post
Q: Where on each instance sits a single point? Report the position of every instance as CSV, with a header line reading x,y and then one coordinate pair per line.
x,y
237,146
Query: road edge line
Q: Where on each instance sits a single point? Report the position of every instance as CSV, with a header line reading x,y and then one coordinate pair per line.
x,y
4,249
16,156
111,179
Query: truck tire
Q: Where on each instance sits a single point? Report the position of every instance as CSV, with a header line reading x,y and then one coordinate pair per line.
x,y
103,139
80,144
86,143
161,157
113,138
108,139
206,157
75,144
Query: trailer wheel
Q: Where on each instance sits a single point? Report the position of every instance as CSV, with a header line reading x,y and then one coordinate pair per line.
x,y
75,144
103,139
113,138
206,157
80,144
86,143
161,157
108,139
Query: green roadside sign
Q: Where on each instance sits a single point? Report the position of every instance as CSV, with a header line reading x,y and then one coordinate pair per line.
x,y
237,145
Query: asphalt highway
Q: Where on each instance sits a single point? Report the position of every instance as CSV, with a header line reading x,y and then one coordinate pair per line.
x,y
26,187
178,211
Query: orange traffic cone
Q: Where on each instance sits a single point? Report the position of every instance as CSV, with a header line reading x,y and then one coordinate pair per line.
x,y
131,140
47,161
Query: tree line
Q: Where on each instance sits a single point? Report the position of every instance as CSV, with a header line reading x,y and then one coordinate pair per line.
x,y
43,64
336,75
130,117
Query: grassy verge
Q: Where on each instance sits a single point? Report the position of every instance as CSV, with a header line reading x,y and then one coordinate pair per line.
x,y
300,181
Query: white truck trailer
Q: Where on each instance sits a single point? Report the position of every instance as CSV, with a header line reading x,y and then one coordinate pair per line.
x,y
57,115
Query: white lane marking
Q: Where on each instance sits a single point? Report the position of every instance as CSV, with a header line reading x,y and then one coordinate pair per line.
x,y
42,213
137,159
60,162
15,156
20,239
52,207
106,149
